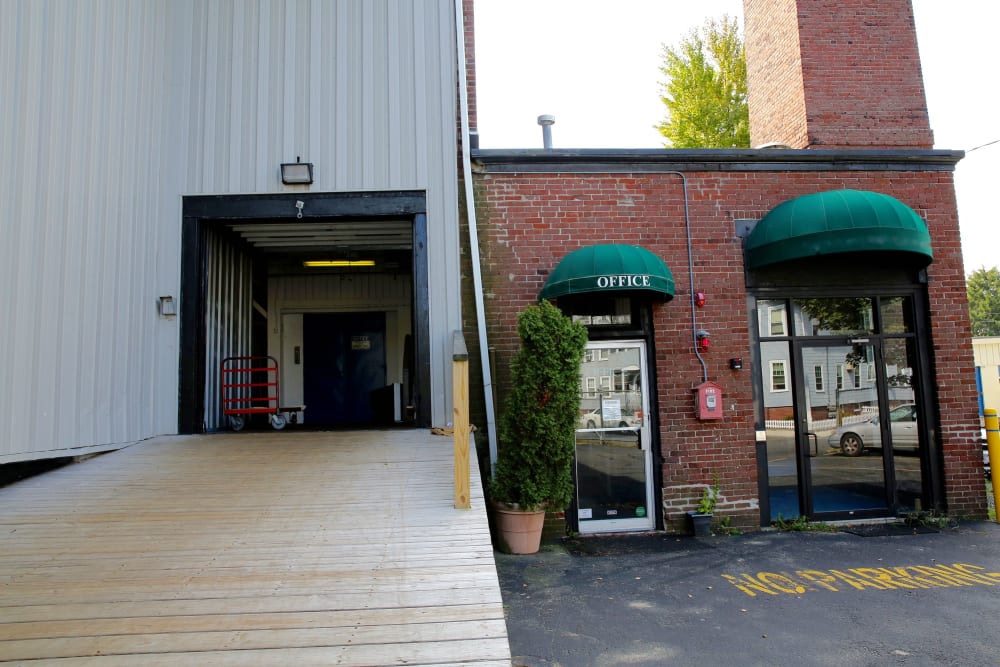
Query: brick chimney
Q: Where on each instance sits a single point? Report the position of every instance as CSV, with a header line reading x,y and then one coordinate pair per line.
x,y
835,74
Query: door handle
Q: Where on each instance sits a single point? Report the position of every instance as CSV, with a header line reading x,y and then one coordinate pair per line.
x,y
815,438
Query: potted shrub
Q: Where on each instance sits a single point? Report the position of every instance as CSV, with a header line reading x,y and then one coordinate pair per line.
x,y
534,469
701,517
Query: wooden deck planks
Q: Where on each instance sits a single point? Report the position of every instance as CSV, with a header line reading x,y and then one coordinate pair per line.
x,y
262,548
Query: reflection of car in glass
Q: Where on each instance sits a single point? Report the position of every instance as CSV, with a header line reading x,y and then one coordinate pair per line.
x,y
590,419
593,419
853,439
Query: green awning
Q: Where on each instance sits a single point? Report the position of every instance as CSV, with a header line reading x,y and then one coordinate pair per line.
x,y
610,268
837,222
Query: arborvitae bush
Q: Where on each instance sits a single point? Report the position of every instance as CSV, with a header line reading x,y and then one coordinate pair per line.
x,y
537,427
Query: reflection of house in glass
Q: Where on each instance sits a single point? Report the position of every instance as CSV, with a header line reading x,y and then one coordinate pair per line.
x,y
611,389
839,368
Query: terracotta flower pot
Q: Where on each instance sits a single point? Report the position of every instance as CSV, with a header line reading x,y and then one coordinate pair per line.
x,y
519,532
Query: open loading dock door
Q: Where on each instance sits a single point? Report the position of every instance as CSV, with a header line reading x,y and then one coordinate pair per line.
x,y
334,286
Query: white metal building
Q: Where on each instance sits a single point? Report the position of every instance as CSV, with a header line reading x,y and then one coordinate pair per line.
x,y
148,233
986,351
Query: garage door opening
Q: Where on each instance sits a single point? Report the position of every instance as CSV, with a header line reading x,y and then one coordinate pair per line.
x,y
332,287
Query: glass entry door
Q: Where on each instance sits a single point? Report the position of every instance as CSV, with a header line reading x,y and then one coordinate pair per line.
x,y
613,454
838,414
842,397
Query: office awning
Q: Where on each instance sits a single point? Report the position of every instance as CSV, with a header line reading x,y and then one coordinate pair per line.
x,y
838,222
610,268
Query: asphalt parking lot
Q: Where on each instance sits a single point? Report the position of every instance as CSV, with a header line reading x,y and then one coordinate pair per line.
x,y
875,596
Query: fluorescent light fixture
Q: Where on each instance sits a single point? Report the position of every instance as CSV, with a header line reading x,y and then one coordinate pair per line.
x,y
297,173
328,263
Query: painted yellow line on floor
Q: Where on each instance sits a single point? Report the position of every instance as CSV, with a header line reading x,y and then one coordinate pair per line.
x,y
861,578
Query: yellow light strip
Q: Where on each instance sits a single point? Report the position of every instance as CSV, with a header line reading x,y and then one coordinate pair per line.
x,y
327,263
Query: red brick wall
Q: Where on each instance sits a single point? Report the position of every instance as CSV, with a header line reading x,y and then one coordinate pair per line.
x,y
470,59
774,74
528,222
855,64
954,365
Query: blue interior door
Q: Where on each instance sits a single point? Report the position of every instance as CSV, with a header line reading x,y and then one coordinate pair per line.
x,y
343,363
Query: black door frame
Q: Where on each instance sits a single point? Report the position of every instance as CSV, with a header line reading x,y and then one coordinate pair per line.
x,y
803,444
641,310
931,456
202,211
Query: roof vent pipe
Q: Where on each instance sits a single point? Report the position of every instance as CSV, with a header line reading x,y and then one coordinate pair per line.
x,y
546,121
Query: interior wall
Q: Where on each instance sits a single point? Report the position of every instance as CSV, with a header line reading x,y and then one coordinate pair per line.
x,y
291,296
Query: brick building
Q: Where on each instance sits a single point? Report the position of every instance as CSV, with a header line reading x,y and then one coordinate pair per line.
x,y
812,296
232,192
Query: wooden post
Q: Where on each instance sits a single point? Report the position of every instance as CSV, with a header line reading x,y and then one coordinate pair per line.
x,y
460,399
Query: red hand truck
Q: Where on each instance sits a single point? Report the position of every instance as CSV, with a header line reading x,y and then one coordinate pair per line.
x,y
249,387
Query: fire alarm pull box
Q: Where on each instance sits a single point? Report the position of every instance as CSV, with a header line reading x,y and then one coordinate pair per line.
x,y
708,401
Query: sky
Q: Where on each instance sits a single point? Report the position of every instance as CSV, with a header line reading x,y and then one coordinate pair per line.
x,y
594,65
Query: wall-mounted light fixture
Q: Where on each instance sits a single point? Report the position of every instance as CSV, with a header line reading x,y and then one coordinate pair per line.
x,y
297,173
336,263
167,308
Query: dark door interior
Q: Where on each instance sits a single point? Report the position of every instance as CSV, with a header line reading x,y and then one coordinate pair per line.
x,y
343,363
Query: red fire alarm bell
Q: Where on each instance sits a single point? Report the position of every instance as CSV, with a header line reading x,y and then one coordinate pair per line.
x,y
703,340
708,401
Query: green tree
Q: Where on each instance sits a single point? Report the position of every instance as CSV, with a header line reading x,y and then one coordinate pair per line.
x,y
706,89
839,315
983,288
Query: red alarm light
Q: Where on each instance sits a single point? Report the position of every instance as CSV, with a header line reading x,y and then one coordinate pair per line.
x,y
703,340
699,299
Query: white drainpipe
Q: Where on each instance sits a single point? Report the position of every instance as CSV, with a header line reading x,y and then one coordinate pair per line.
x,y
470,204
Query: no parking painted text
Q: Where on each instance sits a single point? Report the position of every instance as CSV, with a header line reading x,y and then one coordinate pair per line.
x,y
860,578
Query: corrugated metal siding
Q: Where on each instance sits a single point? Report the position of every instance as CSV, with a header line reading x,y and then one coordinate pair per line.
x,y
121,108
87,362
227,322
343,292
363,89
356,87
986,351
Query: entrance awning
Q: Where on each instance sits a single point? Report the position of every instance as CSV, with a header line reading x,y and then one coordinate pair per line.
x,y
838,222
610,268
